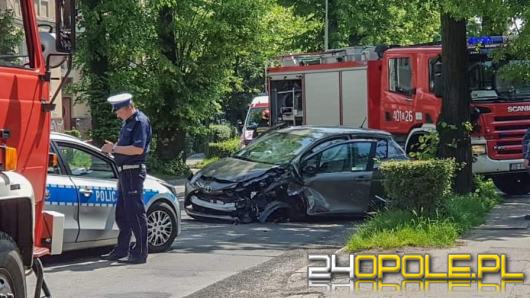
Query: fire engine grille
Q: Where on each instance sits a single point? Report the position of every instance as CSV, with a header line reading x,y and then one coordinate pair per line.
x,y
509,132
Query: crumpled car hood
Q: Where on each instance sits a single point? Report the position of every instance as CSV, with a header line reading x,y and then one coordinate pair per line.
x,y
234,170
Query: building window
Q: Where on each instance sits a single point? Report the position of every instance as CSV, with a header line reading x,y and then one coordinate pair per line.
x,y
42,7
400,75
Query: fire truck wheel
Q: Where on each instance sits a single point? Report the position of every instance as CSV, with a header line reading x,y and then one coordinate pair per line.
x,y
513,184
12,279
161,227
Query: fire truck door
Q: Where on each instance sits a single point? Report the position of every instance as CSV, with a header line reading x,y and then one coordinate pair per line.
x,y
398,96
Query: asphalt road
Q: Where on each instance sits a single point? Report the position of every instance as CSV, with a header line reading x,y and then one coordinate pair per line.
x,y
204,254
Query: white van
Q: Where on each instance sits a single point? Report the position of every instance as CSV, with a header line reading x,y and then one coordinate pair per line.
x,y
257,119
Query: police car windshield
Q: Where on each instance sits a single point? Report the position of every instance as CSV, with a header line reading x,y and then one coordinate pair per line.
x,y
498,81
279,147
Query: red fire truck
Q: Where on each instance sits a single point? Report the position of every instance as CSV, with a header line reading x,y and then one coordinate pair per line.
x,y
27,54
396,89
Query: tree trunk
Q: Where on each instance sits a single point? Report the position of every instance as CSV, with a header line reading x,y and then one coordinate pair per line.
x,y
454,139
103,122
171,142
333,24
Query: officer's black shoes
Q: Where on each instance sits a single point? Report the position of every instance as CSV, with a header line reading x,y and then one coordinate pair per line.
x,y
133,260
112,256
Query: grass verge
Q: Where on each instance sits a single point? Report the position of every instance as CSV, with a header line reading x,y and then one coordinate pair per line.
x,y
400,228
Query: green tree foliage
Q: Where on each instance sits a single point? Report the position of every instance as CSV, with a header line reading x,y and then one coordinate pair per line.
x,y
361,22
178,58
280,31
10,35
111,48
198,44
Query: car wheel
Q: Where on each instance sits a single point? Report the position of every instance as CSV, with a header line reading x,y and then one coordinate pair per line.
x,y
162,227
12,279
517,184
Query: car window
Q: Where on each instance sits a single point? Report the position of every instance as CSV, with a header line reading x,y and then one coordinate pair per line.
x,y
349,157
327,144
84,164
279,147
361,155
394,151
335,159
381,151
54,170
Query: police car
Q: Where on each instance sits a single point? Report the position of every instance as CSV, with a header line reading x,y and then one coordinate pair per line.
x,y
82,186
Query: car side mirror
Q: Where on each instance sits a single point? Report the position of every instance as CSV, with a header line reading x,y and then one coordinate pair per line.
x,y
53,160
309,169
240,124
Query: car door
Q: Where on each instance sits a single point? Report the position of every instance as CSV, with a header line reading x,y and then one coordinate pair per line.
x,y
95,178
61,196
338,178
386,149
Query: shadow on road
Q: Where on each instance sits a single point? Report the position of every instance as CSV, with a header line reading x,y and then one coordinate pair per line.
x,y
225,238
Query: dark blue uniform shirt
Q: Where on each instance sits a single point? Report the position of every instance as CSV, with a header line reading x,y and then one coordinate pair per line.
x,y
135,131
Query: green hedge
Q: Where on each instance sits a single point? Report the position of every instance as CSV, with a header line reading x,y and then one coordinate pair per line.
x,y
220,133
394,228
223,149
74,132
417,185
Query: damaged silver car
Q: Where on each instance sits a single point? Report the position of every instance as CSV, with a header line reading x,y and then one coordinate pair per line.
x,y
293,173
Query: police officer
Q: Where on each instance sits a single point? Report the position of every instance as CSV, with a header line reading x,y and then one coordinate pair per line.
x,y
129,154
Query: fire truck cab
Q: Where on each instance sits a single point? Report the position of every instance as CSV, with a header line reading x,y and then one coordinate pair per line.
x,y
27,53
396,89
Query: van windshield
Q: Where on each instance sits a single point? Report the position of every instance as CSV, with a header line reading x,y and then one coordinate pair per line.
x,y
254,118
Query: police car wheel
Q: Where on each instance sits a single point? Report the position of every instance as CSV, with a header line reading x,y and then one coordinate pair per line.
x,y
12,280
162,227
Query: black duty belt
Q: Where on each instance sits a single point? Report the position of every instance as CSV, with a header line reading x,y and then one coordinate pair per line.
x,y
130,167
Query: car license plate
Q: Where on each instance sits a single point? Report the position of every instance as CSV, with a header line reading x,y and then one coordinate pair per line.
x,y
516,166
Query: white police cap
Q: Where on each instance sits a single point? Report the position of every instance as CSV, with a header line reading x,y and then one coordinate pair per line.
x,y
120,100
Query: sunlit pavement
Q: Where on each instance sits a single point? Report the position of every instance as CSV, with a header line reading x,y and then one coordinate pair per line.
x,y
203,254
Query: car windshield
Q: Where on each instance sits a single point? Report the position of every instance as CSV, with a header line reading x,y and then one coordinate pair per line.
x,y
254,117
489,80
279,147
